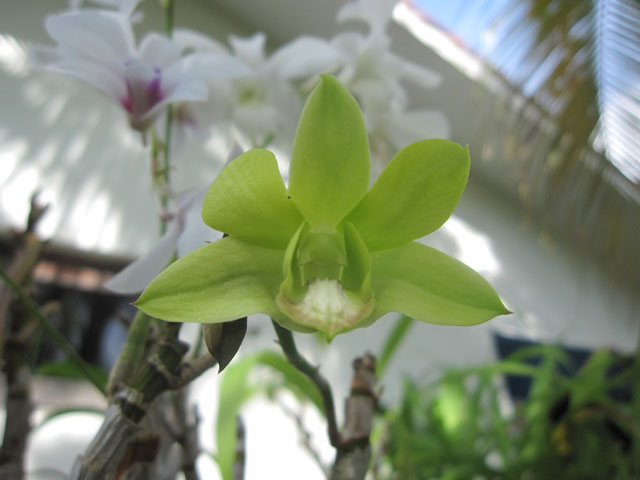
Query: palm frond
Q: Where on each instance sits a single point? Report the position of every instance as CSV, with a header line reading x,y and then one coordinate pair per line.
x,y
575,66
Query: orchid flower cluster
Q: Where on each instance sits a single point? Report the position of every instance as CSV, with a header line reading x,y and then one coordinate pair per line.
x,y
239,87
325,253
238,92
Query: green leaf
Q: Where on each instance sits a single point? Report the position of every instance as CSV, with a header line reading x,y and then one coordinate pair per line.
x,y
236,389
392,343
414,195
425,284
329,171
54,334
293,379
234,392
219,282
590,383
248,200
70,369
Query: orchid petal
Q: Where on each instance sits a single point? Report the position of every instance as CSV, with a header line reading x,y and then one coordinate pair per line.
x,y
205,65
248,200
249,49
425,284
158,50
304,57
187,91
219,282
137,275
95,34
414,195
105,79
196,41
376,13
329,171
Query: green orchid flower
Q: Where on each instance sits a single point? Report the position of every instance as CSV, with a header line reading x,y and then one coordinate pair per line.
x,y
329,254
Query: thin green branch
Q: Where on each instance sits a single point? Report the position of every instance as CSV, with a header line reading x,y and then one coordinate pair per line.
x,y
166,161
168,5
285,338
53,333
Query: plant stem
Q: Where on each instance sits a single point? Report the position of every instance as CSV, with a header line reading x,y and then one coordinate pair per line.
x,y
168,6
354,452
19,345
285,338
131,354
53,333
240,453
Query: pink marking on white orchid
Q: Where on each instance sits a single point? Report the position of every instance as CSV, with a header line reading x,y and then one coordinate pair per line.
x,y
144,92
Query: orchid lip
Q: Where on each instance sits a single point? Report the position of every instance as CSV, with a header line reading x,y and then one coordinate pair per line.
x,y
327,307
144,92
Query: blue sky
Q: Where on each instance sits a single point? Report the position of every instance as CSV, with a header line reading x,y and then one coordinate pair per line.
x,y
481,24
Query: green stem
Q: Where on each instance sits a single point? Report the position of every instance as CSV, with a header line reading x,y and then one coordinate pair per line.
x,y
160,176
285,338
166,163
132,353
53,333
168,5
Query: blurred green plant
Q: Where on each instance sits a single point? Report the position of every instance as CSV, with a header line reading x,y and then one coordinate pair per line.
x,y
568,427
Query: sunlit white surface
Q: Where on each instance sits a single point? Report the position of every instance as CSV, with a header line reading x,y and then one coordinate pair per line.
x,y
54,447
13,56
439,41
474,247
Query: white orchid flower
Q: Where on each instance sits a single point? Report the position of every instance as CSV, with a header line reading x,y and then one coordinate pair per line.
x,y
126,7
98,47
265,103
376,13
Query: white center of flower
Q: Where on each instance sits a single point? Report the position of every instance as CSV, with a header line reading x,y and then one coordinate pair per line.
x,y
327,307
326,301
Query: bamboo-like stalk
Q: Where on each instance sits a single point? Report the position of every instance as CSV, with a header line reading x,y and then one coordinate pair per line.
x,y
16,347
354,451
